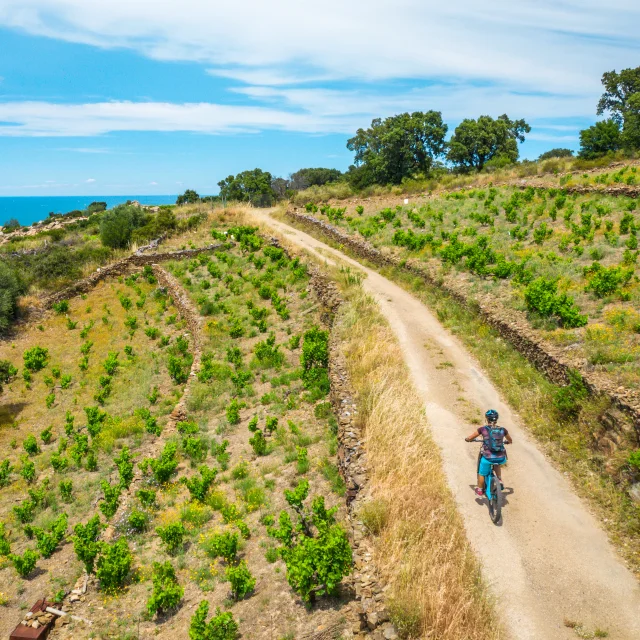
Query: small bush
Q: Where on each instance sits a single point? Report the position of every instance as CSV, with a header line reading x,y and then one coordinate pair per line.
x,y
28,469
85,542
109,504
5,473
36,358
233,411
199,486
221,627
167,592
111,364
164,466
25,563
315,360
147,497
125,467
222,545
172,536
114,565
61,307
66,490
30,445
542,296
258,443
242,582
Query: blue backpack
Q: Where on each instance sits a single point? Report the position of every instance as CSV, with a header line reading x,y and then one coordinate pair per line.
x,y
495,439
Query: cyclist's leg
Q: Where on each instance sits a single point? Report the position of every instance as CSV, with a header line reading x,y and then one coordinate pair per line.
x,y
484,470
498,470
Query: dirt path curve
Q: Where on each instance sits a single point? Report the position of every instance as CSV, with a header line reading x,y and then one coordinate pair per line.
x,y
549,561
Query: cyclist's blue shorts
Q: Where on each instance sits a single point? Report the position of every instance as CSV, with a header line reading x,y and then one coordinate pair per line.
x,y
485,465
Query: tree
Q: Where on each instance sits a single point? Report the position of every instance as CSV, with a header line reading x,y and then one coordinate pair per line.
x,y
11,225
397,147
96,207
280,188
118,224
188,197
599,139
11,287
622,100
476,142
305,178
249,186
556,153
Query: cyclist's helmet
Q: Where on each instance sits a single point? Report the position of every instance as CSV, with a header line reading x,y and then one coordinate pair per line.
x,y
491,416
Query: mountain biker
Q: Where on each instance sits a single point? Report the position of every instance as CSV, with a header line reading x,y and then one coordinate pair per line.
x,y
493,451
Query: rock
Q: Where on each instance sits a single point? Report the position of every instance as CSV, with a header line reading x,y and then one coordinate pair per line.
x,y
388,632
35,624
372,620
634,492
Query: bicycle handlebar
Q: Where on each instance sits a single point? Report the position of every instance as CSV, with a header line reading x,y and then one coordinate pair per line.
x,y
480,440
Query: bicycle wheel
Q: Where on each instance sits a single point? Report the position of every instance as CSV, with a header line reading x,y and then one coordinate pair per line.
x,y
495,504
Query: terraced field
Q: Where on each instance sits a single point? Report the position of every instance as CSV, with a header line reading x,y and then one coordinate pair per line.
x,y
165,510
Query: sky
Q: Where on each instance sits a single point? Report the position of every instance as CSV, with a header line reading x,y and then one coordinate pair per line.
x,y
141,96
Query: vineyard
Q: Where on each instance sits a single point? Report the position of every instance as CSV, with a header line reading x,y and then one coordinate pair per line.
x,y
565,260
218,513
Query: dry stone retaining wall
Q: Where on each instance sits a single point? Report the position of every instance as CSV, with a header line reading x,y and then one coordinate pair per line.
x,y
373,617
512,326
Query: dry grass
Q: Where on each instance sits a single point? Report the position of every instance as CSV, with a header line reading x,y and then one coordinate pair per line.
x,y
421,548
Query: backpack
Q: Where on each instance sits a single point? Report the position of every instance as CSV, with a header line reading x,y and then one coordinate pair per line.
x,y
495,439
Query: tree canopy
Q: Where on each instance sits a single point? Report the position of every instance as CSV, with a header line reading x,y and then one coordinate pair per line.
x,y
601,138
477,142
397,147
556,153
188,197
249,186
305,178
11,225
621,100
117,225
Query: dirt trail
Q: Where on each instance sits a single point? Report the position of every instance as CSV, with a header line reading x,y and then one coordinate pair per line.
x,y
550,561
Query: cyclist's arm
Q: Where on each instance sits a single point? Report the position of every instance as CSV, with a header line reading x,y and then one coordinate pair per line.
x,y
475,434
507,437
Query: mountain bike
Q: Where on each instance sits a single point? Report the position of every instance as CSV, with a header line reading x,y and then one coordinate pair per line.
x,y
492,488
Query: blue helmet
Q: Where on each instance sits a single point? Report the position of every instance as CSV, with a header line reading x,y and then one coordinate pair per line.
x,y
491,415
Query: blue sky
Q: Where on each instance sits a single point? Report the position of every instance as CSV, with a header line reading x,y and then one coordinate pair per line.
x,y
129,96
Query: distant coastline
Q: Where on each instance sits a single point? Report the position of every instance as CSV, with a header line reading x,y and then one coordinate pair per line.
x,y
30,209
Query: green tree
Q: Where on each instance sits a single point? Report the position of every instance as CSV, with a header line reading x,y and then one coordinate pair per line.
x,y
556,153
599,139
622,100
305,178
397,147
11,288
118,224
11,225
7,372
96,207
188,197
477,142
249,186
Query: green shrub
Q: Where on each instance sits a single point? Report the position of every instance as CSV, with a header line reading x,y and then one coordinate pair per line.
x,y
48,541
164,466
86,347
36,358
242,582
65,381
85,542
634,459
315,563
196,449
268,354
172,536
125,467
137,520
542,296
604,281
167,592
233,411
199,486
118,224
221,627
222,545
66,490
59,462
222,456
258,443
178,369
50,400
11,288
322,410
24,511
28,469
30,445
5,472
25,563
568,399
113,565
7,371
61,307
109,505
147,497
302,460
187,427
111,364
315,360
5,545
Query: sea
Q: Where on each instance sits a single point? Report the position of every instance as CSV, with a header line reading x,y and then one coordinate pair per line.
x,y
29,209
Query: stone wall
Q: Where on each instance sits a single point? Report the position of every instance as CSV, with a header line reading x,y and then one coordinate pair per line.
x,y
121,267
622,421
372,616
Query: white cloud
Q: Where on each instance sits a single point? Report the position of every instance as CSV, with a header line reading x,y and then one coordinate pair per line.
x,y
153,183
536,44
90,180
85,149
